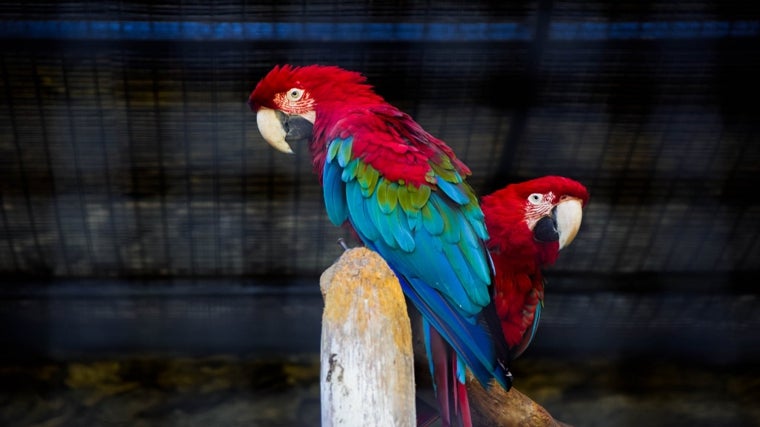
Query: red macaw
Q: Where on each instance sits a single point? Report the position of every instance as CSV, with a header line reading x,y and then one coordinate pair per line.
x,y
405,194
529,223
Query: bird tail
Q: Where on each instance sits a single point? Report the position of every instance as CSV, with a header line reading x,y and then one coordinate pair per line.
x,y
448,379
468,338
453,344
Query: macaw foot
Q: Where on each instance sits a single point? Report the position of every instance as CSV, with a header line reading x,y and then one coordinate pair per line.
x,y
342,243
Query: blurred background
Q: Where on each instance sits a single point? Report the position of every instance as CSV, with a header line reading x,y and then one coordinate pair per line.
x,y
159,263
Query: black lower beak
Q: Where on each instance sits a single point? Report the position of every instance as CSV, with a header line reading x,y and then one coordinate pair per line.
x,y
296,128
545,230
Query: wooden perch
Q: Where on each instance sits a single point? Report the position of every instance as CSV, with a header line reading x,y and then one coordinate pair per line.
x,y
368,362
497,407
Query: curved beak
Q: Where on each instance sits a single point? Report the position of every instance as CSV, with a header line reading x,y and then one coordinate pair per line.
x,y
568,215
279,129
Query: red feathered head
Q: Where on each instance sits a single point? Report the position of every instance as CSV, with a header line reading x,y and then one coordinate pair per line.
x,y
295,89
290,101
535,218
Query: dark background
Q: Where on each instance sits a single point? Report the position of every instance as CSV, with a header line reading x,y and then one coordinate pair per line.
x,y
141,212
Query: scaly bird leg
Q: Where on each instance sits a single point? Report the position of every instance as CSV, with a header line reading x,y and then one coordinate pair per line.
x,y
342,243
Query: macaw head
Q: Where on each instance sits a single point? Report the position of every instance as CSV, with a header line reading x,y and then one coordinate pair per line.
x,y
289,101
535,219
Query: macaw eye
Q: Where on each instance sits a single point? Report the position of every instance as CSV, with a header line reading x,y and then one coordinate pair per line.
x,y
535,198
295,94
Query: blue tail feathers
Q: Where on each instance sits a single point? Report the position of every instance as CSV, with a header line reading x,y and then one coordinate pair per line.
x,y
473,345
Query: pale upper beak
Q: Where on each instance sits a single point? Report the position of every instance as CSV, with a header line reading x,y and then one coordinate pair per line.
x,y
280,129
568,214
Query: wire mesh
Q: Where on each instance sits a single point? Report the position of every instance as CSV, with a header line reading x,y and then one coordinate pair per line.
x,y
127,149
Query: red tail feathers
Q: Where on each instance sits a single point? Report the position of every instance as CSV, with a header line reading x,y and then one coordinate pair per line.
x,y
451,393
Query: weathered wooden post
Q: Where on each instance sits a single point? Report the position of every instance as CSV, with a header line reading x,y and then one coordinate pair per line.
x,y
367,362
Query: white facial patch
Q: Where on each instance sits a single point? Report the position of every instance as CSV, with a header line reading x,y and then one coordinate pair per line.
x,y
310,116
538,206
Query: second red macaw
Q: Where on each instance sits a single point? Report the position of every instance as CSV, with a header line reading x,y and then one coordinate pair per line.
x,y
528,223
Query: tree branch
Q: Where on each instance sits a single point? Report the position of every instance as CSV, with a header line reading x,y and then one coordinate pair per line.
x,y
497,407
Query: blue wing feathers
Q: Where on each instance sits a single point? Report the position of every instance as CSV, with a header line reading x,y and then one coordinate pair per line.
x,y
334,194
453,191
441,275
425,333
477,220
431,219
379,219
438,252
432,239
360,218
402,233
459,263
452,222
